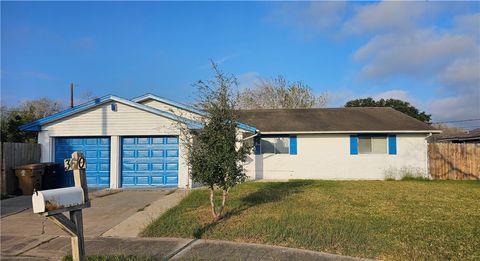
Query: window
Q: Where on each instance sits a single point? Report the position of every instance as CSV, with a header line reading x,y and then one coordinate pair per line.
x,y
275,145
372,144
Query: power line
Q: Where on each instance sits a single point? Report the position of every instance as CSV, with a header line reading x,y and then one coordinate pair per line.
x,y
456,121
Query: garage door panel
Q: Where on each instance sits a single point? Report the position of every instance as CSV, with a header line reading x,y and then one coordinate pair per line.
x,y
105,181
91,142
172,153
157,153
91,154
157,180
147,161
128,181
128,141
157,166
128,153
172,140
104,154
172,166
142,180
158,140
142,167
97,154
171,180
142,153
91,180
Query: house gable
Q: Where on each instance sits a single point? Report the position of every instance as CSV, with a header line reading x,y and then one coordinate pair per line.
x,y
180,109
168,105
103,121
101,102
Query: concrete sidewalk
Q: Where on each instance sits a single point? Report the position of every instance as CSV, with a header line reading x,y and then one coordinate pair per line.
x,y
173,249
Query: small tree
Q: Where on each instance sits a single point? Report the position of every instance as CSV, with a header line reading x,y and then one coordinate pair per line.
x,y
279,93
215,152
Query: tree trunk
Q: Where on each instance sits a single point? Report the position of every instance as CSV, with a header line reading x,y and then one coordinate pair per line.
x,y
212,203
224,198
218,215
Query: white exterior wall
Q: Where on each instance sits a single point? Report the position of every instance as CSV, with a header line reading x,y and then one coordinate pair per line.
x,y
327,156
102,121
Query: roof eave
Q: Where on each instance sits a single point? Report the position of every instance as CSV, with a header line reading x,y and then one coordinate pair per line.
x,y
351,132
36,125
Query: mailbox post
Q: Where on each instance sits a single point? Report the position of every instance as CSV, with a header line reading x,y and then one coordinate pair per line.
x,y
52,203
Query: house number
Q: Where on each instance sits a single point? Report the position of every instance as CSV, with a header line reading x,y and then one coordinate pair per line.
x,y
74,163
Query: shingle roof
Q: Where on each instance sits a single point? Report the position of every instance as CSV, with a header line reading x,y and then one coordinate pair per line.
x,y
332,120
470,135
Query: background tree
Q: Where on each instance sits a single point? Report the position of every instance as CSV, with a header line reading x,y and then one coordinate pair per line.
x,y
279,93
12,117
215,152
398,105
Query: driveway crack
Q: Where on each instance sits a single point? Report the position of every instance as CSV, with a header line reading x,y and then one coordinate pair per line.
x,y
179,250
37,245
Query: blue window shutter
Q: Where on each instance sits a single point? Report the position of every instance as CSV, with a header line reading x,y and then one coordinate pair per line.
x,y
256,142
392,144
293,145
353,144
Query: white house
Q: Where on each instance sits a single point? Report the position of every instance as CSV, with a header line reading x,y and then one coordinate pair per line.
x,y
136,143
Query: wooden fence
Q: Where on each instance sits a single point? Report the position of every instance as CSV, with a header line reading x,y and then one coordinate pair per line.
x,y
13,155
454,161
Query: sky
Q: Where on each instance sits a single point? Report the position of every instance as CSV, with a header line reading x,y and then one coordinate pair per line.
x,y
427,53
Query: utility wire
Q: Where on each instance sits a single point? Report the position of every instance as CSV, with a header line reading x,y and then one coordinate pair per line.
x,y
455,121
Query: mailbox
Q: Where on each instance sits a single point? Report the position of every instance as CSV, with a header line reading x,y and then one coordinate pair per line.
x,y
55,199
53,202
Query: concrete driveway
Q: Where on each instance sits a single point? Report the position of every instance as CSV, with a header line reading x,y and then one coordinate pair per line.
x,y
21,229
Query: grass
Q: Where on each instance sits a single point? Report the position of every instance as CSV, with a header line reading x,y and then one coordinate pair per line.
x,y
111,258
392,220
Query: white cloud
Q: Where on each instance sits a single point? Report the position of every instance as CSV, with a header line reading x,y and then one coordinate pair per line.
x,y
309,18
404,47
404,41
469,24
385,16
393,94
463,73
460,107
420,53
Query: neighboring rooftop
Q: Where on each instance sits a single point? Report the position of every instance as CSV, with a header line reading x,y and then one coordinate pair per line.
x,y
333,120
471,135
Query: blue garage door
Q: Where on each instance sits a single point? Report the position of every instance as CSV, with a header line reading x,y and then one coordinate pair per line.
x,y
97,153
150,161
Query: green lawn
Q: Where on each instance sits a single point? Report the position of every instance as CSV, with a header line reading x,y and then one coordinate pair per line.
x,y
393,220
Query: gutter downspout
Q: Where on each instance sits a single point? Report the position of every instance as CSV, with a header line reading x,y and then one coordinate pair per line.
x,y
253,136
